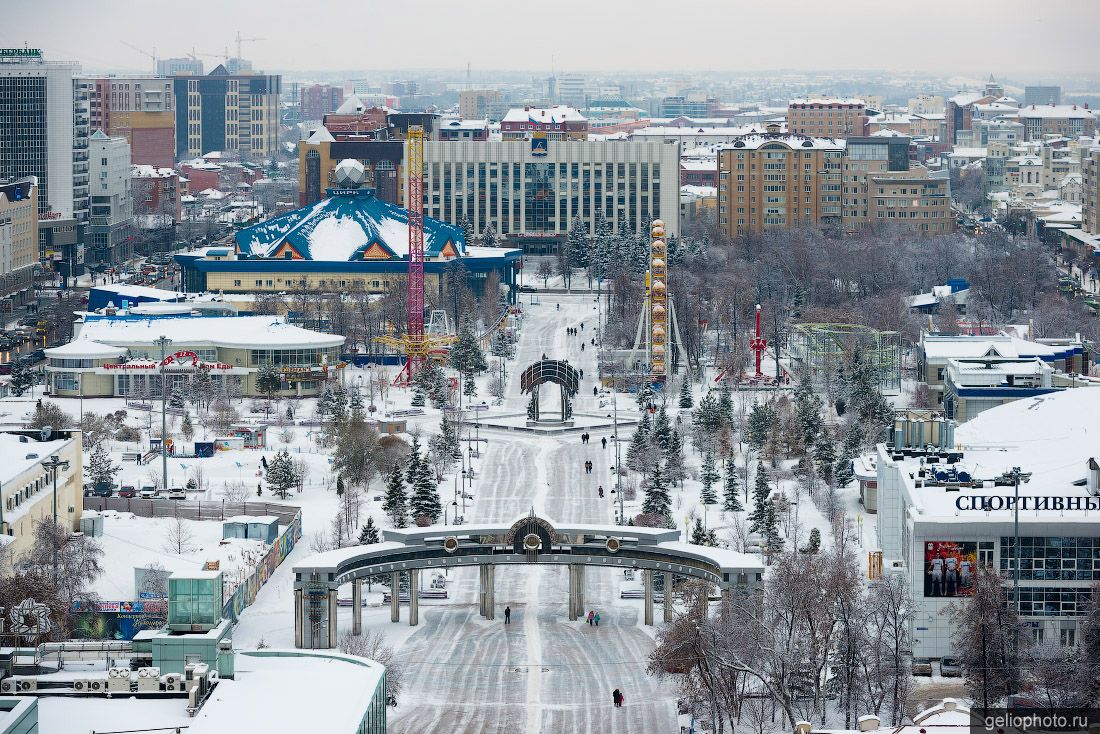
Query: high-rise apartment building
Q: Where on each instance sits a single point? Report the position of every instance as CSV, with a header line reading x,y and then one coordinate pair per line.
x,y
571,89
866,157
44,131
18,241
1090,191
478,104
227,112
776,181
140,109
827,118
1039,94
179,67
317,100
110,228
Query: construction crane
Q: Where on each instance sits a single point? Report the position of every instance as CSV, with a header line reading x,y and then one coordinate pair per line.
x,y
416,344
143,52
244,40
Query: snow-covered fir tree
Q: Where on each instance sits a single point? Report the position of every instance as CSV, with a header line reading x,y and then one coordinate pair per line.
x,y
578,243
657,500
731,488
100,469
22,379
725,402
424,500
708,475
489,236
761,504
675,469
639,455
395,501
467,230
661,435
466,356
268,380
369,534
686,400
281,475
699,534
825,455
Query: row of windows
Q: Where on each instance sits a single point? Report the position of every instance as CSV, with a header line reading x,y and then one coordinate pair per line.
x,y
16,498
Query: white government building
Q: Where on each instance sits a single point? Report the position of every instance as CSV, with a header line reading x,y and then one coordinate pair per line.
x,y
934,525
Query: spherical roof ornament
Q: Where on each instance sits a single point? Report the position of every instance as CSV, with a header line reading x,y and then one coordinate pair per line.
x,y
349,174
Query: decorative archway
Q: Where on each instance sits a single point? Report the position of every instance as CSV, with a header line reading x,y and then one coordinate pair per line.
x,y
556,371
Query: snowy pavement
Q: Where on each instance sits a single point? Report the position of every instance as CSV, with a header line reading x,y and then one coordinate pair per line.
x,y
541,673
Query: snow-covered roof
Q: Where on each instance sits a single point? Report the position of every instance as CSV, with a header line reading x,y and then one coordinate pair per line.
x,y
138,170
244,332
339,689
85,349
967,153
887,132
454,123
1060,110
964,98
14,453
699,164
717,130
829,101
796,142
346,227
544,115
320,135
702,192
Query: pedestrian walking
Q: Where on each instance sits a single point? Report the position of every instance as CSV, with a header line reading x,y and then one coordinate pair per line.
x,y
263,460
507,615
604,441
590,614
595,391
582,371
582,326
582,346
597,619
593,341
617,698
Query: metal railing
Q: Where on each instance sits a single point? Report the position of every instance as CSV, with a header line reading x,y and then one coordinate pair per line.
x,y
192,510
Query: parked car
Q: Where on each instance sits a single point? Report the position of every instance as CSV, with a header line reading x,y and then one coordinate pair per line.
x,y
177,493
922,666
38,355
950,668
148,492
98,490
5,369
128,491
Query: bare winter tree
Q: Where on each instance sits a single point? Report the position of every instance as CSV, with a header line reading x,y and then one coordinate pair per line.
x,y
372,646
988,640
179,539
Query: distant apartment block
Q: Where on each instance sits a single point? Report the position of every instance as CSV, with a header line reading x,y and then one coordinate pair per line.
x,y
317,100
478,104
1069,121
140,109
556,123
18,241
227,112
827,118
1042,95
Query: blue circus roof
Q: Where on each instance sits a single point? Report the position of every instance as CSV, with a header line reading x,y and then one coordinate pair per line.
x,y
353,224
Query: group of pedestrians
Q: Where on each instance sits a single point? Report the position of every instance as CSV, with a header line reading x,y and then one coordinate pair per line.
x,y
593,617
588,467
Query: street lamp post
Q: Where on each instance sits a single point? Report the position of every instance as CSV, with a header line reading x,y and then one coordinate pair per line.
x,y
163,343
463,491
615,437
52,464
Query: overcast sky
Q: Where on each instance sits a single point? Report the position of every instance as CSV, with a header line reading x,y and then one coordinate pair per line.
x,y
944,36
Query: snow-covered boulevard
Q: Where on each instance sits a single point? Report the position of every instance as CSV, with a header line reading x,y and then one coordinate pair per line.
x,y
541,673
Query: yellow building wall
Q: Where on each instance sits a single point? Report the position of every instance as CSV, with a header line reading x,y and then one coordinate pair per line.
x,y
70,499
277,282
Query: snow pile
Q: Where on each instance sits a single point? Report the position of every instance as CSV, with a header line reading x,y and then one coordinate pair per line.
x,y
336,239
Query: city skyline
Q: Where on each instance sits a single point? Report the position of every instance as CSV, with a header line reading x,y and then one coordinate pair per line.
x,y
964,38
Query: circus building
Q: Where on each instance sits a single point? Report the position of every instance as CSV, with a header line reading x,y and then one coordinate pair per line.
x,y
350,240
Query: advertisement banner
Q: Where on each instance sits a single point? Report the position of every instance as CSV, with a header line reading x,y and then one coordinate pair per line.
x,y
949,568
118,620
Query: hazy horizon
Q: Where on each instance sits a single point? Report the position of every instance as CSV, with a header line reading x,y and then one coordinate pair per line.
x,y
939,37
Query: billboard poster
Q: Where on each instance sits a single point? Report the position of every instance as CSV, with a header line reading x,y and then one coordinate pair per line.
x,y
118,620
949,568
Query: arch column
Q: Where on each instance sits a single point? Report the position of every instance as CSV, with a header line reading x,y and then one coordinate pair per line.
x,y
395,598
357,607
647,582
668,596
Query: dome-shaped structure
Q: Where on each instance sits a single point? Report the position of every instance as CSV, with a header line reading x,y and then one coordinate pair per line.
x,y
349,174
